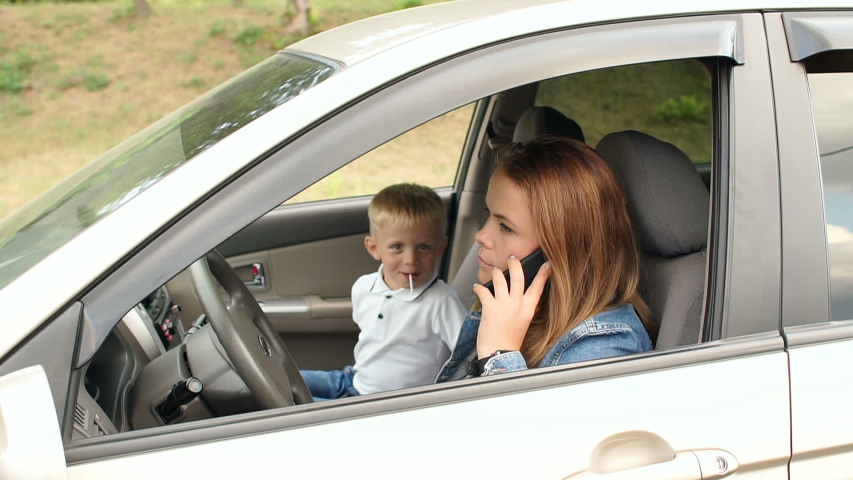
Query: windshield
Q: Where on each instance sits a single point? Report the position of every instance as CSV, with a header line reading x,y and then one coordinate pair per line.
x,y
43,225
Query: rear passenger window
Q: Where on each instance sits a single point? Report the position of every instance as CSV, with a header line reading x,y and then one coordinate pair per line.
x,y
669,100
832,104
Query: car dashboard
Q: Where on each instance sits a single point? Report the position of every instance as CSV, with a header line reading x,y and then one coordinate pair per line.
x,y
147,331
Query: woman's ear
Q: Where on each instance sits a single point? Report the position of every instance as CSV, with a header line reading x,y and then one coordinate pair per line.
x,y
371,247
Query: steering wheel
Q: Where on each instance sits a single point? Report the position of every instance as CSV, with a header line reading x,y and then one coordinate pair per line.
x,y
254,347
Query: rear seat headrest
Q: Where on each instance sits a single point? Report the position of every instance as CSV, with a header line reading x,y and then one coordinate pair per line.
x,y
667,199
536,121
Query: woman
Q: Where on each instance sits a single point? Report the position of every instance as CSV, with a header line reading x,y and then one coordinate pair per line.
x,y
559,195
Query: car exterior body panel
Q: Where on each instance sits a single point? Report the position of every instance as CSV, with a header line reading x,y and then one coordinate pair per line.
x,y
561,443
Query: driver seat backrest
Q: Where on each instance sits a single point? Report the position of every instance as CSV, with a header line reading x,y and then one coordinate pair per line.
x,y
535,121
668,204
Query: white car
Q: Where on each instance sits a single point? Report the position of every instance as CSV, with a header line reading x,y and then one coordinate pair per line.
x,y
740,186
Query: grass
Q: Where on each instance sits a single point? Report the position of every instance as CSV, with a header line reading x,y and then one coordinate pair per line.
x,y
668,100
428,154
78,78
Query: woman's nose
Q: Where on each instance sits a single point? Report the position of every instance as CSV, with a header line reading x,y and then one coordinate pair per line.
x,y
481,237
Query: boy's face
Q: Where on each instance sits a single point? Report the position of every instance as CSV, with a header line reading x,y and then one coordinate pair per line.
x,y
406,251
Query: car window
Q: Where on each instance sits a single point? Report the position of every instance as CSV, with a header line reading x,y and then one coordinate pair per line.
x,y
34,231
428,154
832,102
669,100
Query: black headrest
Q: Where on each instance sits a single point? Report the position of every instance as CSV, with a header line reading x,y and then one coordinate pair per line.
x,y
667,199
536,121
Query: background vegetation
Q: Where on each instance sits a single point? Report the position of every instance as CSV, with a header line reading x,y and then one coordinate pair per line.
x,y
78,78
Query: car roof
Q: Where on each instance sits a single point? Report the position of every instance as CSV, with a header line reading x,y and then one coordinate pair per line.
x,y
484,20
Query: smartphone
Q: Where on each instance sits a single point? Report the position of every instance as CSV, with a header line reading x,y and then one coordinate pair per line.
x,y
529,264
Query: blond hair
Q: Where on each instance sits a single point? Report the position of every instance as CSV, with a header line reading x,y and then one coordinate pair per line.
x,y
405,205
582,223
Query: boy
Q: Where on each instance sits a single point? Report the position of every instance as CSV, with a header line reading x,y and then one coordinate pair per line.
x,y
409,319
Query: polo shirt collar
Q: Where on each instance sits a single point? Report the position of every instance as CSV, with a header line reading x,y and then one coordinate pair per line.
x,y
379,286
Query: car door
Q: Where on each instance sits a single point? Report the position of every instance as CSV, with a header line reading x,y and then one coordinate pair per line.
x,y
814,96
698,411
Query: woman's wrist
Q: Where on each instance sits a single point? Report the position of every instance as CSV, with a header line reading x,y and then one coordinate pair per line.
x,y
484,358
488,349
478,367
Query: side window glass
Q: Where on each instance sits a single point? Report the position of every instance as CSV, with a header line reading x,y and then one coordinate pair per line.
x,y
428,154
669,100
832,102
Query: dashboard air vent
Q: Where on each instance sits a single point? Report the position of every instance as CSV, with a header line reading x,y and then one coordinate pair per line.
x,y
80,415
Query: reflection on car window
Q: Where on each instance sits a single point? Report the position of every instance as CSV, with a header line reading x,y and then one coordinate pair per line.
x,y
832,103
40,227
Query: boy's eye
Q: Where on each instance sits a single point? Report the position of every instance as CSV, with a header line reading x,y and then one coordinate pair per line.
x,y
424,248
396,246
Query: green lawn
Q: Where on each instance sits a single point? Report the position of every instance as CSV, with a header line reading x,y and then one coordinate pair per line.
x,y
78,78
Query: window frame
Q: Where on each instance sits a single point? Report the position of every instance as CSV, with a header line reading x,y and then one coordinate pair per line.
x,y
205,226
806,301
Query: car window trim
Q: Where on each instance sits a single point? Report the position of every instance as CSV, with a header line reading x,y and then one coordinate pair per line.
x,y
811,33
715,292
752,284
805,271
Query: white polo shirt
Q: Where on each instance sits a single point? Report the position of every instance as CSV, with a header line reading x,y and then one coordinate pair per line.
x,y
405,337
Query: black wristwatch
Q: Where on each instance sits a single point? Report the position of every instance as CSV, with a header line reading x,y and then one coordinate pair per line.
x,y
478,366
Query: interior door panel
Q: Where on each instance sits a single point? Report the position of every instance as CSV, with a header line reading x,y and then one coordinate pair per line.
x,y
309,255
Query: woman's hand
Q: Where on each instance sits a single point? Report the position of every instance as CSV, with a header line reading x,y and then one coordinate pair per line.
x,y
507,314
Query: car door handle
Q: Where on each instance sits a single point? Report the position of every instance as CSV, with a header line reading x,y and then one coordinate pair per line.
x,y
644,455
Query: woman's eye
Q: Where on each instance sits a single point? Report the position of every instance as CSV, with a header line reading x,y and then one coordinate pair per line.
x,y
504,228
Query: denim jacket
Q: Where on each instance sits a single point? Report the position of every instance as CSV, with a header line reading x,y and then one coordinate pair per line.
x,y
614,332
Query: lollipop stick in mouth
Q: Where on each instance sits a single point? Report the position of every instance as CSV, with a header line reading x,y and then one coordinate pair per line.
x,y
411,290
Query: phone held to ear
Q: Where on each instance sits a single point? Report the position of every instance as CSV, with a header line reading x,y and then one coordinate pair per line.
x,y
529,265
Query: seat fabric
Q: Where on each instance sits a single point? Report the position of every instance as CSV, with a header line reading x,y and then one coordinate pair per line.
x,y
669,208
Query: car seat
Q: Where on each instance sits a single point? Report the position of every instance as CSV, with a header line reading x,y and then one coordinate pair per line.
x,y
669,208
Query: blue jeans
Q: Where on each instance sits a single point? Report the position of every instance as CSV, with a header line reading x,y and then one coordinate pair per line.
x,y
328,385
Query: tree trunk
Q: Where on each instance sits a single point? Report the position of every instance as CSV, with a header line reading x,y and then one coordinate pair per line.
x,y
300,23
143,10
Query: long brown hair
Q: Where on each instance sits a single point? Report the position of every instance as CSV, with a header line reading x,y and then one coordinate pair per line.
x,y
582,223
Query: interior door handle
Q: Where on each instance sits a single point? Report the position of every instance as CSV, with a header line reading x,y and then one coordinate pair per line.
x,y
258,280
644,455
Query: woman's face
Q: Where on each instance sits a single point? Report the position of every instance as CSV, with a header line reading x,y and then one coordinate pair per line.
x,y
509,229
